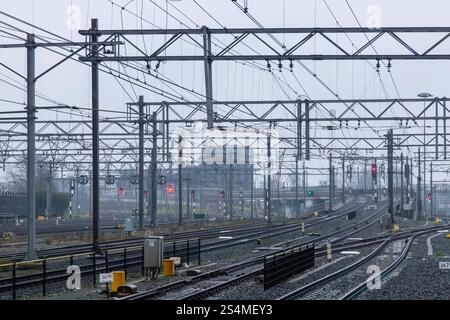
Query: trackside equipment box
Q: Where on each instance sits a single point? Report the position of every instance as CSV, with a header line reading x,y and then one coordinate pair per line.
x,y
153,252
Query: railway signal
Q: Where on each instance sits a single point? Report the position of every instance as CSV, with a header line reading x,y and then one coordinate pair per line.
x,y
72,187
145,194
170,188
310,193
373,170
349,171
121,191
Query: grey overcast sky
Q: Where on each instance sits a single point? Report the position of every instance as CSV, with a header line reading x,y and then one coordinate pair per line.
x,y
70,83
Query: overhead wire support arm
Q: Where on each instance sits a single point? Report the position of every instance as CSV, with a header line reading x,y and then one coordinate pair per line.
x,y
61,62
208,76
310,33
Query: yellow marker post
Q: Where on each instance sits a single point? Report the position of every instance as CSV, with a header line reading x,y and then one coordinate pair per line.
x,y
169,267
395,227
118,280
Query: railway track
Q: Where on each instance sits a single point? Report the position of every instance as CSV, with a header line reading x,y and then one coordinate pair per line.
x,y
237,232
352,294
134,260
307,291
219,279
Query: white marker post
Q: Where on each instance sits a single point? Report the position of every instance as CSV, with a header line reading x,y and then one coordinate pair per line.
x,y
329,251
106,278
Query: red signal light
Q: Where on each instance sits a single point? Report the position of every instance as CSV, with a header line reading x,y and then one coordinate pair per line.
x,y
145,194
121,191
374,168
170,188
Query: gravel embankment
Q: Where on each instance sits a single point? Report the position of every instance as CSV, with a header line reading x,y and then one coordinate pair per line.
x,y
419,276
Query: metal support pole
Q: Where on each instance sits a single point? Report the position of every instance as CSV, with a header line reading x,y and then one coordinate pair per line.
x,y
424,180
407,173
31,148
180,181
419,191
208,76
95,142
307,156
445,127
401,184
330,190
446,200
436,142
299,130
343,179
391,174
396,178
357,177
269,178
251,194
379,189
411,178
431,189
265,193
49,194
230,196
374,183
333,186
141,162
202,198
154,167
241,201
188,199
304,184
365,176
297,206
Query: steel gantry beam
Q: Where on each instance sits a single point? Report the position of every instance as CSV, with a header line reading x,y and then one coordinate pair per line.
x,y
301,36
115,134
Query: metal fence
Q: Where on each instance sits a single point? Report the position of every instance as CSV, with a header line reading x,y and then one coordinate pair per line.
x,y
287,263
27,277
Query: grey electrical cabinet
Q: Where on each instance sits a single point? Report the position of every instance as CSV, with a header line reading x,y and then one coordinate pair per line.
x,y
129,225
153,252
